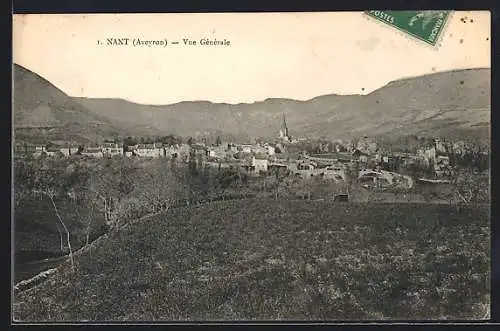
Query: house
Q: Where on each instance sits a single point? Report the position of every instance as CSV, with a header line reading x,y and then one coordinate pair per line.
x,y
112,149
260,149
459,147
246,148
427,155
212,153
197,150
92,151
439,144
184,152
442,165
277,166
366,145
68,150
232,148
260,163
332,158
52,151
25,149
442,160
306,165
335,172
149,150
38,150
360,155
379,178
409,160
172,151
217,152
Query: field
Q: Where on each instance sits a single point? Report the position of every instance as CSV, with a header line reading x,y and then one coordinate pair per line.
x,y
278,260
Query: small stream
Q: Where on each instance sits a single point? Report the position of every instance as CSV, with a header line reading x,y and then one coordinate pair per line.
x,y
29,264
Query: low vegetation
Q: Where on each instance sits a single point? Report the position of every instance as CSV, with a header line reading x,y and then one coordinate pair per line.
x,y
278,259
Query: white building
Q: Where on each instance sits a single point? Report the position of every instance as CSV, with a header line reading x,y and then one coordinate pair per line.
x,y
260,163
372,177
439,145
367,145
183,152
172,151
246,148
67,151
149,150
112,149
427,156
217,152
93,152
39,150
335,172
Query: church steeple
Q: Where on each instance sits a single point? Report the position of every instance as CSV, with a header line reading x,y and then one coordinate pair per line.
x,y
284,129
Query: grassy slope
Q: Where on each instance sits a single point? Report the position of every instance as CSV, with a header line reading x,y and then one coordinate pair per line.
x,y
36,226
289,260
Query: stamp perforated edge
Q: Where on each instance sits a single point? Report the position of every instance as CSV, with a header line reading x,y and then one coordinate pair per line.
x,y
409,36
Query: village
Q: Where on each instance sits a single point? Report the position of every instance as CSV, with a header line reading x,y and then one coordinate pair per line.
x,y
372,165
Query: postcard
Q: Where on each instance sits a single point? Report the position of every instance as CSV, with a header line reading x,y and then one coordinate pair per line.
x,y
326,166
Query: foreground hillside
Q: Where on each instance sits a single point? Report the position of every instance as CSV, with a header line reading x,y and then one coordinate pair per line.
x,y
454,103
266,260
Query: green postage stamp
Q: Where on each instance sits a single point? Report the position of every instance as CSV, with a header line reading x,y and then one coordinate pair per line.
x,y
425,25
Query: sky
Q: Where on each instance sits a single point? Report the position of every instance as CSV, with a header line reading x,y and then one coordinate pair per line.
x,y
289,55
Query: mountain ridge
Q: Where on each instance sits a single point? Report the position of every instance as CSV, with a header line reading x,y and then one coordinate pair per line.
x,y
44,112
455,102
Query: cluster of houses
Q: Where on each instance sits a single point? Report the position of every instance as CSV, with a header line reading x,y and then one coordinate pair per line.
x,y
108,149
259,158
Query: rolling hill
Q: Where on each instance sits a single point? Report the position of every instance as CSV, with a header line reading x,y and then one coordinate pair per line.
x,y
448,103
454,103
43,112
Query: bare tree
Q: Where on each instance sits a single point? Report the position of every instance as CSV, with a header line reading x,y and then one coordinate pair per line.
x,y
51,194
60,237
87,219
106,204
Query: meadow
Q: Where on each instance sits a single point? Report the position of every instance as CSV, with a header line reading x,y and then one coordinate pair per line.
x,y
262,259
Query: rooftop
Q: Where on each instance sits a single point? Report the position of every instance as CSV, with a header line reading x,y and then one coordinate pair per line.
x,y
261,156
92,150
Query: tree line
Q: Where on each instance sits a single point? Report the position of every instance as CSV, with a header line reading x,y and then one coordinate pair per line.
x,y
98,195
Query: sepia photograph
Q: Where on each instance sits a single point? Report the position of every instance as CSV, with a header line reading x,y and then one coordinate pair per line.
x,y
225,167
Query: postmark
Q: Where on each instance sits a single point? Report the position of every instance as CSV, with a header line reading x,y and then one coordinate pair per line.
x,y
424,25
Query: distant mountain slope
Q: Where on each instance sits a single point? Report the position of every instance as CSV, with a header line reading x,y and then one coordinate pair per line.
x,y
447,103
202,117
453,103
42,111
